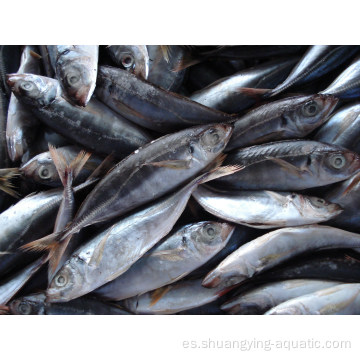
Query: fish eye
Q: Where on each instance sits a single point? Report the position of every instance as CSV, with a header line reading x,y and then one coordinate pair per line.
x,y
60,280
184,240
27,85
311,108
191,149
320,201
24,308
72,79
337,161
211,138
127,61
210,230
44,173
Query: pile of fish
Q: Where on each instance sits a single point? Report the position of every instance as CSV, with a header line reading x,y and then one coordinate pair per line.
x,y
180,179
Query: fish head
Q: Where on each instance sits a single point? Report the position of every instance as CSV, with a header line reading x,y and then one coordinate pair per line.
x,y
209,143
340,164
28,305
133,58
42,170
315,207
312,111
211,236
226,278
77,77
67,283
33,90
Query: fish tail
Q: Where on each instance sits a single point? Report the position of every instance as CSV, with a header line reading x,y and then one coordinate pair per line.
x,y
56,254
106,166
59,162
78,163
187,61
6,175
46,243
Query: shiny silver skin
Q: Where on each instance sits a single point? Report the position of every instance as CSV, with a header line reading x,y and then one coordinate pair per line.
x,y
290,165
133,58
175,257
42,170
150,106
161,70
265,209
225,94
343,128
95,127
341,299
16,282
317,61
150,172
347,84
288,118
347,195
267,296
76,70
21,125
110,253
274,248
173,298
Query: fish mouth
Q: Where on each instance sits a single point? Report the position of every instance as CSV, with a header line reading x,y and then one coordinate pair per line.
x,y
211,280
28,168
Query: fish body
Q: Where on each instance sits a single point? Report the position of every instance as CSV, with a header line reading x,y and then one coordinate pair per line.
x,y
176,256
289,118
265,209
150,106
267,296
274,248
341,299
290,165
225,94
96,127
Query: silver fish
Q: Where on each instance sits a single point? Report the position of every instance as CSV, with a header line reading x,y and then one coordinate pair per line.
x,y
109,254
274,248
267,296
265,209
176,256
173,298
21,126
341,299
76,69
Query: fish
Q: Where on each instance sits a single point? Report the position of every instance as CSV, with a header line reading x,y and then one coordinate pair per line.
x,y
274,248
289,118
9,62
161,67
76,69
325,264
346,85
225,94
175,257
11,286
96,127
290,165
110,253
35,304
342,128
42,170
165,163
317,61
265,209
341,299
29,219
21,126
133,58
150,106
174,298
269,295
